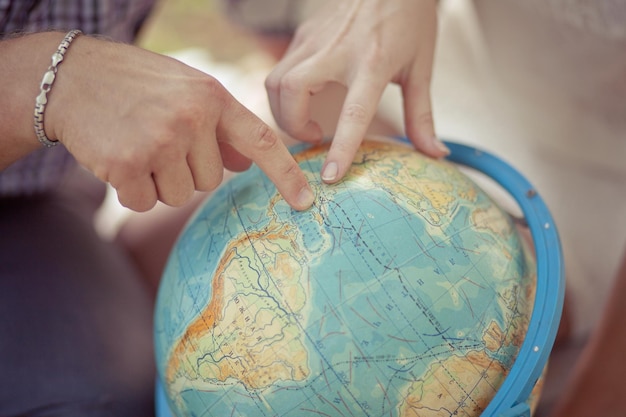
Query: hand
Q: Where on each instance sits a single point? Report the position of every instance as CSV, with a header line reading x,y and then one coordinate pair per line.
x,y
156,129
364,45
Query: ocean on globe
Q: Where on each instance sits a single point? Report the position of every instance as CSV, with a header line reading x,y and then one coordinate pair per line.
x,y
404,291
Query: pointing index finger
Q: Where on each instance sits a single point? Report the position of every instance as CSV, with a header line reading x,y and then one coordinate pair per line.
x,y
254,139
356,115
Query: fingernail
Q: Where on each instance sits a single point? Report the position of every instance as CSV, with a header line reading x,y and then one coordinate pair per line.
x,y
441,146
305,198
330,172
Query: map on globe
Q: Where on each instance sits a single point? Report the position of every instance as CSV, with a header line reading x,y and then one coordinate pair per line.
x,y
404,291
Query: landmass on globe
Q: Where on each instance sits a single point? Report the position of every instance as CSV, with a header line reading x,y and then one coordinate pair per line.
x,y
405,291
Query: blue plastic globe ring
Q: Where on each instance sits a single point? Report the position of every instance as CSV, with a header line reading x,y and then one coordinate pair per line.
x,y
511,400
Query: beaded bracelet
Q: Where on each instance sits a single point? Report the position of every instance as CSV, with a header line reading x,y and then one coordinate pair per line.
x,y
46,86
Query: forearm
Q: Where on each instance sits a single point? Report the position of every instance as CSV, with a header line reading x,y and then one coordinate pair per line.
x,y
24,61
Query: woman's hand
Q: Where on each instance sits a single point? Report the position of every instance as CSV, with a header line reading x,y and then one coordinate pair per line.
x,y
156,129
364,45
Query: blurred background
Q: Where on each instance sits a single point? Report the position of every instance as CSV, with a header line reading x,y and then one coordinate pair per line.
x,y
182,24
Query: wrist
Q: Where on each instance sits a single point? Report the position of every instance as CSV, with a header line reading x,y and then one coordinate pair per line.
x,y
77,81
46,85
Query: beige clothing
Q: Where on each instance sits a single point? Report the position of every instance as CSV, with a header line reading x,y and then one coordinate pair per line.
x,y
543,85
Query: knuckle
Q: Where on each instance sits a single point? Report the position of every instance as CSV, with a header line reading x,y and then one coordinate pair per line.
x,y
168,143
205,94
272,82
212,86
186,117
209,182
425,118
341,148
376,54
216,95
291,83
355,113
160,141
136,202
167,148
125,165
292,169
144,205
177,198
266,138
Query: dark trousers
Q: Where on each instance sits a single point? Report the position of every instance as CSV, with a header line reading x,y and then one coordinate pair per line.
x,y
75,319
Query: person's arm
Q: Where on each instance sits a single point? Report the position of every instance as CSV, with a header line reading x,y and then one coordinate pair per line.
x,y
596,386
152,127
363,45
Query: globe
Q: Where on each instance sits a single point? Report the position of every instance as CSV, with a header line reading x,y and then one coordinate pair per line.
x,y
404,291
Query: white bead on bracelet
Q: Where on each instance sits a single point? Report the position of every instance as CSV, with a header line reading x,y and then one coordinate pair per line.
x,y
46,86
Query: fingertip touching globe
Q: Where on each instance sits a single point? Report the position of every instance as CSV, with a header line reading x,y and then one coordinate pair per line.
x,y
404,291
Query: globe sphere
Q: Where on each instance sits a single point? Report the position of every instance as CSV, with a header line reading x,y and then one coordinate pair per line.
x,y
404,291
